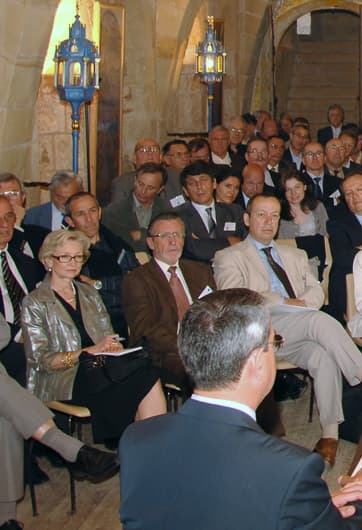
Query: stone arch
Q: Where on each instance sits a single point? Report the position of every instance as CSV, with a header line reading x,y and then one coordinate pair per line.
x,y
285,15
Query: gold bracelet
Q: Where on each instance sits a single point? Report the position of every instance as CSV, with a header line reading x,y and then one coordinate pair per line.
x,y
67,360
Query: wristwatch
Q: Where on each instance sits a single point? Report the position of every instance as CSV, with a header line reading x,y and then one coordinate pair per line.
x,y
98,285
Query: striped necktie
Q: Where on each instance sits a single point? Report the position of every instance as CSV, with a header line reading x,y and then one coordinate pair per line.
x,y
15,291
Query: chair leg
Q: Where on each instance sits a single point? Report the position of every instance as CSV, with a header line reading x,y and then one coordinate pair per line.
x,y
29,444
73,499
311,400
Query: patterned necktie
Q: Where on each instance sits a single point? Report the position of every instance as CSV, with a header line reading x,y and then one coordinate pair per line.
x,y
211,225
279,271
15,291
64,224
317,188
181,299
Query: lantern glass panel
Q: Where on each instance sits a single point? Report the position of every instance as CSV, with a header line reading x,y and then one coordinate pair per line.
x,y
220,64
210,64
75,70
89,72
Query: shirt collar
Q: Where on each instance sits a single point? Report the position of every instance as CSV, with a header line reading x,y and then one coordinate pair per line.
x,y
226,403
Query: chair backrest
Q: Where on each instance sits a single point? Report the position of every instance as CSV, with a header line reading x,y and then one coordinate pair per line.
x,y
351,309
142,257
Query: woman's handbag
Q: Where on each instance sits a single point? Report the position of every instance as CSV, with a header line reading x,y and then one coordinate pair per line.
x,y
101,371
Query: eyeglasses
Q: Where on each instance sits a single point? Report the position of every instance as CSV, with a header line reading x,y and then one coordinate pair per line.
x,y
277,147
10,193
263,153
67,258
148,149
335,148
277,343
169,235
311,155
235,130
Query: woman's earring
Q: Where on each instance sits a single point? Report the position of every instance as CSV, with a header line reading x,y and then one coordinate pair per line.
x,y
50,269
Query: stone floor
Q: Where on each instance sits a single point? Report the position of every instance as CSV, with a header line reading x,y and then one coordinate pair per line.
x,y
98,504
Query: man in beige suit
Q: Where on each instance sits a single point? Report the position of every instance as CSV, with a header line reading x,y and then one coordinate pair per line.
x,y
313,340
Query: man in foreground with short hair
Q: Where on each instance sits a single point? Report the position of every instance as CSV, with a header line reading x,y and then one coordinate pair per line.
x,y
313,340
210,466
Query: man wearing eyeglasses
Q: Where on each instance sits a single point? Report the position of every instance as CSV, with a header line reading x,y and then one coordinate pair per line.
x,y
313,340
237,130
325,186
335,154
129,218
219,140
210,466
146,150
154,300
28,238
18,276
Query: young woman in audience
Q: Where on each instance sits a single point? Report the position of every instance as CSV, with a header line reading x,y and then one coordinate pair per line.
x,y
61,319
303,217
227,185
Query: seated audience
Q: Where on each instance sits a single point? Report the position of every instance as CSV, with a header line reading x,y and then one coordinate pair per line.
x,y
345,236
110,258
335,117
63,320
303,218
355,324
219,140
23,416
349,139
250,124
257,153
152,304
130,217
237,130
285,125
252,183
51,214
146,150
241,477
227,185
27,238
325,186
210,225
299,137
275,163
199,150
313,340
335,153
19,275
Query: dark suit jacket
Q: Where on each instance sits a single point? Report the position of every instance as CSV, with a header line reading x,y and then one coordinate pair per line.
x,y
325,134
120,218
330,185
39,215
151,312
211,467
288,158
266,189
345,235
204,248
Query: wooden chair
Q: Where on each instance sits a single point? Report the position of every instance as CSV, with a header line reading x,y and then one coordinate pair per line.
x,y
76,417
350,305
142,257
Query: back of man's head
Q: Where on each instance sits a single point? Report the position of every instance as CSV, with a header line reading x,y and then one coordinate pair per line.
x,y
217,335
